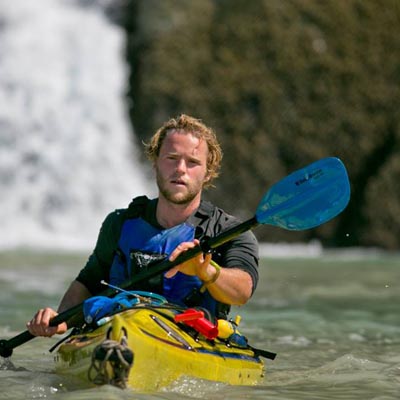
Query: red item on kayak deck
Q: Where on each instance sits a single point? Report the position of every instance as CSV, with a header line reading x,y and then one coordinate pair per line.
x,y
195,319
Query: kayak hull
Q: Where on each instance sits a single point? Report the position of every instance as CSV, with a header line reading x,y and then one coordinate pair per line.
x,y
159,351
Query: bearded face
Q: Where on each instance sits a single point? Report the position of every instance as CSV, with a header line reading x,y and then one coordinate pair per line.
x,y
181,167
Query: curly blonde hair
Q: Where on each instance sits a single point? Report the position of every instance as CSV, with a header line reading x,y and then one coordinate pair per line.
x,y
185,123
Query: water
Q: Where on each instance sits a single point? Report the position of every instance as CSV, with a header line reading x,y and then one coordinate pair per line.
x,y
333,320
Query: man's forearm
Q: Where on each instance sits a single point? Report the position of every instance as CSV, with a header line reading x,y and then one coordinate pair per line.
x,y
76,294
233,286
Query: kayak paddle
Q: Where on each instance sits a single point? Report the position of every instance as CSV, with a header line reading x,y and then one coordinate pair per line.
x,y
304,199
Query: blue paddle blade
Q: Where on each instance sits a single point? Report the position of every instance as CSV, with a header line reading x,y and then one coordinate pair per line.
x,y
308,197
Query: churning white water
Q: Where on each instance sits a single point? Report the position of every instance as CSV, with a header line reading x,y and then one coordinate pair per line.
x,y
67,156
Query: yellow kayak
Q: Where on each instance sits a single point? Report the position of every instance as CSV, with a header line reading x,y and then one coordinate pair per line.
x,y
148,347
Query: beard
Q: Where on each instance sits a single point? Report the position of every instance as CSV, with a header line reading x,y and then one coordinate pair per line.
x,y
179,198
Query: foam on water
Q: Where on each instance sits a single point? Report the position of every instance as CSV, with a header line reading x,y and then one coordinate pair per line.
x,y
66,154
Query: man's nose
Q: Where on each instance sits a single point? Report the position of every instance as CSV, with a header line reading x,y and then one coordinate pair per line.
x,y
181,165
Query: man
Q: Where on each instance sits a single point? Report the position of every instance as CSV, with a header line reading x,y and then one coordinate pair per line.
x,y
186,157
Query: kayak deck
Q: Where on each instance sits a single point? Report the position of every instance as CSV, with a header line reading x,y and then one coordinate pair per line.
x,y
159,352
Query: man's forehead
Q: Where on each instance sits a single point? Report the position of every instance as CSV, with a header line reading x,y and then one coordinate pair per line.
x,y
196,144
176,135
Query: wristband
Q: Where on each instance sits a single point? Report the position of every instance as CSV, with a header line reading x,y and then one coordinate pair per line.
x,y
213,279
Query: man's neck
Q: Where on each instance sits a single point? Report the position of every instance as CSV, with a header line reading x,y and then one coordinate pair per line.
x,y
169,214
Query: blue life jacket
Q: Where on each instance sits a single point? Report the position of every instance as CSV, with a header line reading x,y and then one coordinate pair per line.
x,y
140,245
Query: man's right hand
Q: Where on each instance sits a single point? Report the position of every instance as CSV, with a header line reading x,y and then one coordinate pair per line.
x,y
39,324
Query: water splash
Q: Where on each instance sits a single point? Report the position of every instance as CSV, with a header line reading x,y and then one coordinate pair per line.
x,y
66,155
7,365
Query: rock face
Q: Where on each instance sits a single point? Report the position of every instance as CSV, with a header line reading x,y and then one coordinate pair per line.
x,y
283,84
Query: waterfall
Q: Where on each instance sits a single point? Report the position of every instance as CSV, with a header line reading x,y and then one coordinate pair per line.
x,y
67,156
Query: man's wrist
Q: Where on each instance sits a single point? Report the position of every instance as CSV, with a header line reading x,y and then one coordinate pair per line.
x,y
214,278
